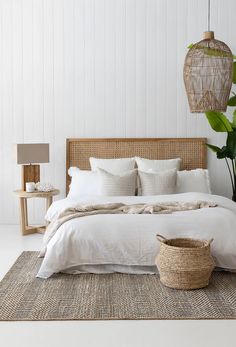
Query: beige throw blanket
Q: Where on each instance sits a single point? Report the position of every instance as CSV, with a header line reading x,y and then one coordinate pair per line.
x,y
118,208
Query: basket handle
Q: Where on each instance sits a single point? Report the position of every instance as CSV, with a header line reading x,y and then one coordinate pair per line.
x,y
160,238
209,242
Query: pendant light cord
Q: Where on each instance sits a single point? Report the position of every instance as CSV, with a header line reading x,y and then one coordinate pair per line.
x,y
209,15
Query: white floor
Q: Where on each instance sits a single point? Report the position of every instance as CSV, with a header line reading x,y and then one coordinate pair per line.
x,y
102,333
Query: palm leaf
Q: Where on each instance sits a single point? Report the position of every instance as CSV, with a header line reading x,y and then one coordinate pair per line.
x,y
215,149
218,121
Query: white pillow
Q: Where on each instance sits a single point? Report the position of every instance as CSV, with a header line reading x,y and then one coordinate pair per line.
x,y
117,185
115,166
157,183
83,183
193,181
157,165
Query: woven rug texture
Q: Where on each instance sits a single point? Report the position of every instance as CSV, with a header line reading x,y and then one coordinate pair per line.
x,y
23,297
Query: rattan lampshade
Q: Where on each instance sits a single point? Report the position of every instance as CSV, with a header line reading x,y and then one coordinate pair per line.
x,y
208,73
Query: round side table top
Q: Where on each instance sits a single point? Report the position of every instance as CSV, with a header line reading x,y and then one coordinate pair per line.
x,y
36,194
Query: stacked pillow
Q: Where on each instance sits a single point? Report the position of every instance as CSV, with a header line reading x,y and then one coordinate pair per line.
x,y
83,183
157,176
193,181
117,185
115,166
157,183
157,165
118,177
109,177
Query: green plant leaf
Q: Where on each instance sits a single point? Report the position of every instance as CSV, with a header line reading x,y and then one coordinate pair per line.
x,y
231,145
232,101
234,120
214,149
234,73
234,57
191,45
218,121
223,153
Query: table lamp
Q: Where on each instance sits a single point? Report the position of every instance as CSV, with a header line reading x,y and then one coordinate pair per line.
x,y
28,154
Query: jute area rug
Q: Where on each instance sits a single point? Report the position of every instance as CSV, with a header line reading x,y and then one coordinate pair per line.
x,y
23,297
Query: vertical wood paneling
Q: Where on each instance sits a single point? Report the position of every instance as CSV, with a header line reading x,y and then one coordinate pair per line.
x,y
130,63
151,95
171,68
89,49
181,50
60,119
28,71
17,78
28,79
110,66
7,105
38,92
98,68
160,69
120,68
38,70
17,97
79,43
48,113
69,66
141,67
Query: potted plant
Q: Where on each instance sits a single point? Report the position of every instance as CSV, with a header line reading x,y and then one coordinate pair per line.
x,y
220,123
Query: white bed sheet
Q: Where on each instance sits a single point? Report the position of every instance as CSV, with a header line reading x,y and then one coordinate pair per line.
x,y
127,243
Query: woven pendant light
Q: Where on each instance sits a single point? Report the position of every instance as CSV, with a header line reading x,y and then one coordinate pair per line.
x,y
208,73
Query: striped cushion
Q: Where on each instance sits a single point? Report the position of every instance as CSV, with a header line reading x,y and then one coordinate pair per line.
x,y
157,183
117,185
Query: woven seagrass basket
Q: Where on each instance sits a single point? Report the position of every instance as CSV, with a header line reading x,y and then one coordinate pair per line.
x,y
184,263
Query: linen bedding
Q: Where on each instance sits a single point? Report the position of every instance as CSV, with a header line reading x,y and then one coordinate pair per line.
x,y
127,242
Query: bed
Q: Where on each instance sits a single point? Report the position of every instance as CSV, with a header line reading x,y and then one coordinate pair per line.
x,y
127,242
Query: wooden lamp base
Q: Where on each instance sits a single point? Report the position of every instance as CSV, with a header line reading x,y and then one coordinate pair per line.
x,y
30,173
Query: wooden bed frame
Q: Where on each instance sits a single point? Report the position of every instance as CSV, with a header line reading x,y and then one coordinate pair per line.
x,y
192,151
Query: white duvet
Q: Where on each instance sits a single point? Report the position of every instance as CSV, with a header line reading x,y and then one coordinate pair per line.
x,y
127,243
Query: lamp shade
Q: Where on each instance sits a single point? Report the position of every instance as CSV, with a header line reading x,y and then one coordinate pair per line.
x,y
208,74
30,153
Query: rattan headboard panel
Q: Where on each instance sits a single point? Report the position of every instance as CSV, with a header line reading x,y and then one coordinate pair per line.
x,y
192,151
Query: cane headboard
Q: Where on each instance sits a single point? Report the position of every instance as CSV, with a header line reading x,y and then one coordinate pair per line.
x,y
192,151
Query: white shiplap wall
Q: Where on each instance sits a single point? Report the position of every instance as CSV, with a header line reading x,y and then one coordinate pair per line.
x,y
98,68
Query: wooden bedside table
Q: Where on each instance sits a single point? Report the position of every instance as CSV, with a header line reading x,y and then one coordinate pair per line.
x,y
23,196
